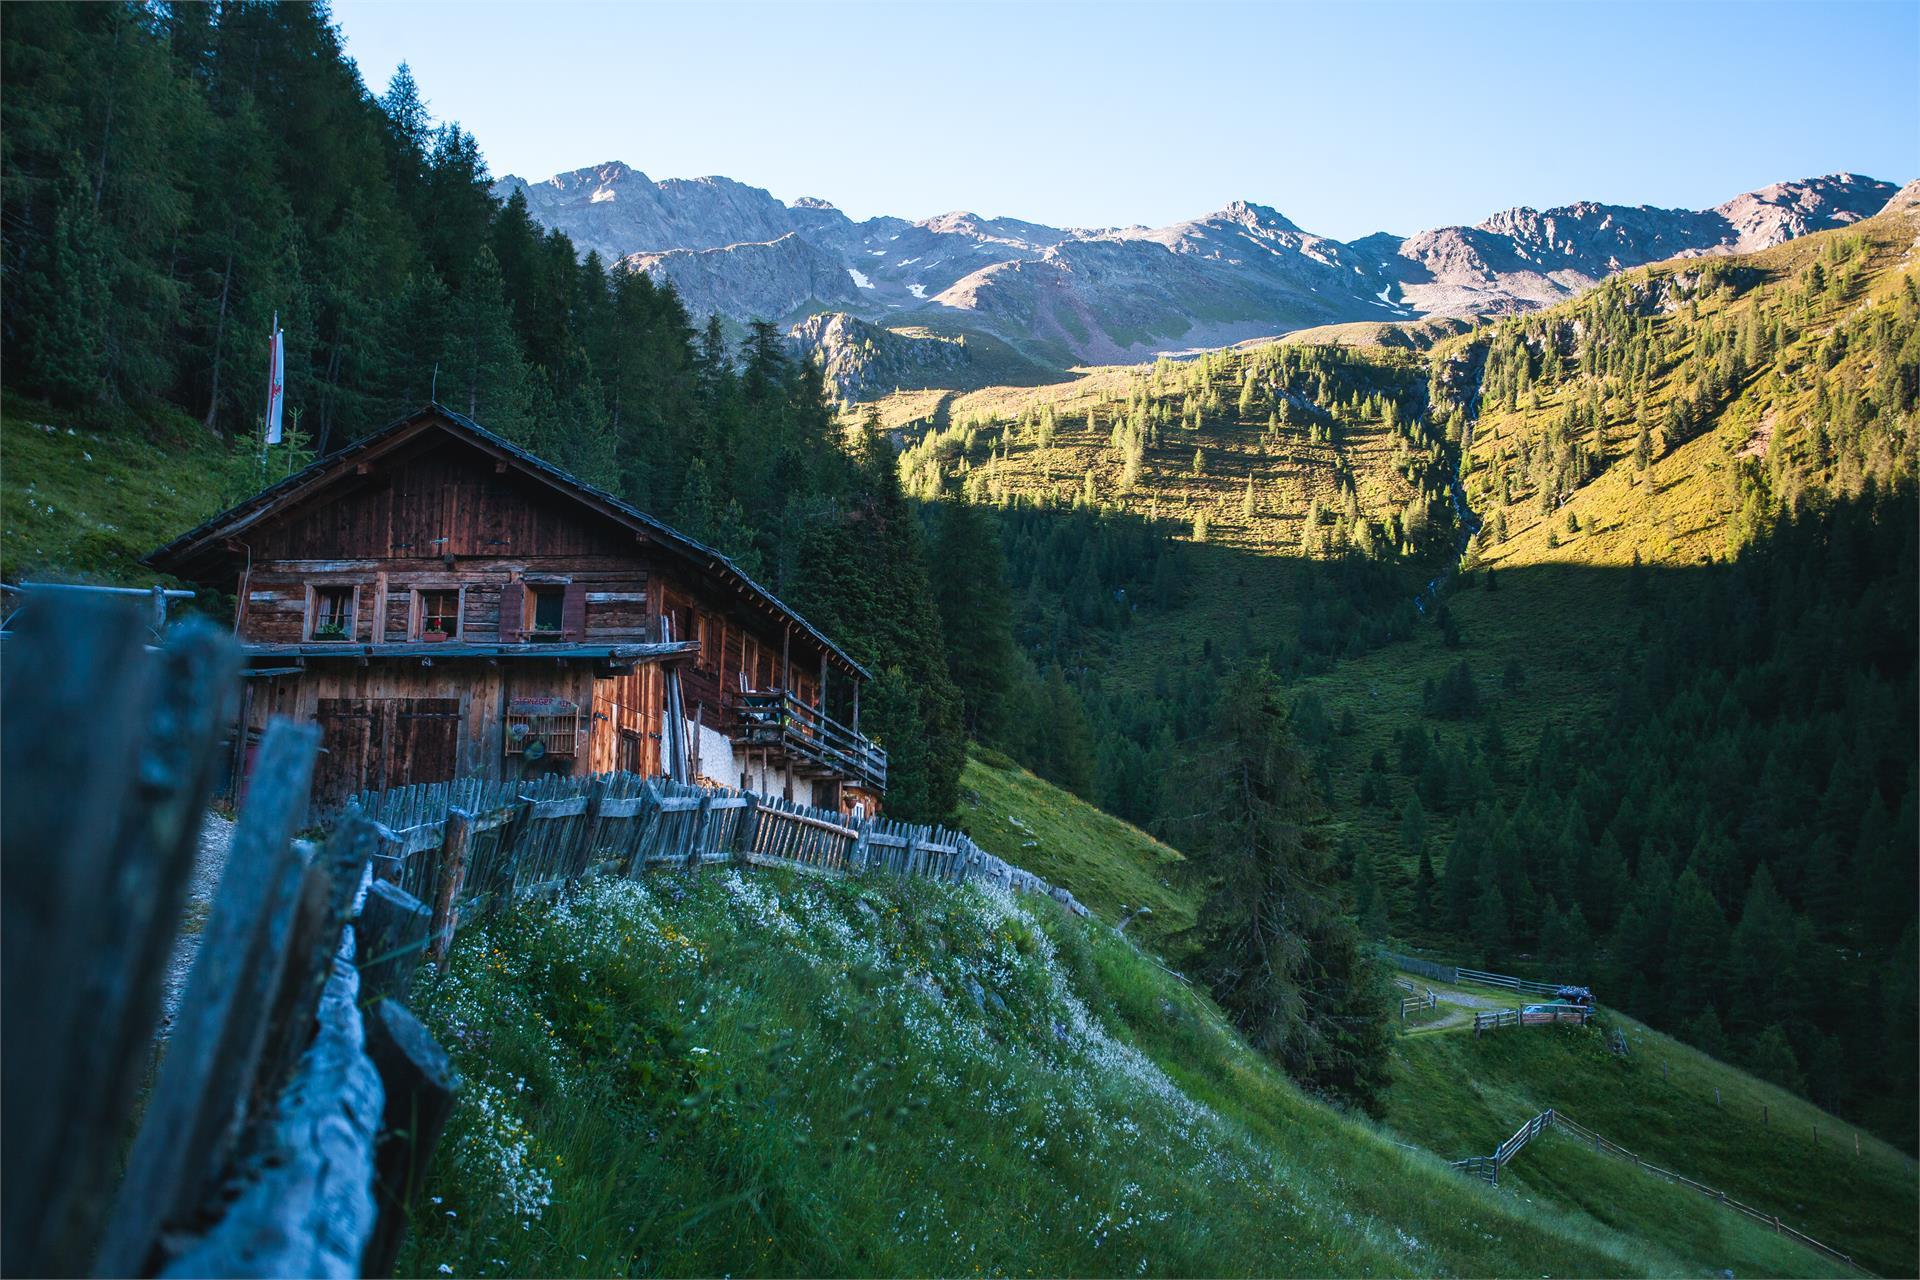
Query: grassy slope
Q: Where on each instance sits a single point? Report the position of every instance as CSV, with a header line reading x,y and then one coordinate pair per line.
x,y
1108,864
789,1075
82,500
1455,1093
1678,512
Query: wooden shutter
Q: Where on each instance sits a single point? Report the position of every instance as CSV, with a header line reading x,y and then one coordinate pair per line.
x,y
513,611
573,611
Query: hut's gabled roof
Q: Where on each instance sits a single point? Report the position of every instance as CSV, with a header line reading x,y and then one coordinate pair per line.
x,y
189,555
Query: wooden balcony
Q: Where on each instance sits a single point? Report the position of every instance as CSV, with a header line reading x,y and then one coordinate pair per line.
x,y
804,737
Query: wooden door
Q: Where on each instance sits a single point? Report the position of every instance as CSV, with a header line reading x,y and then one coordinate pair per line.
x,y
348,751
423,740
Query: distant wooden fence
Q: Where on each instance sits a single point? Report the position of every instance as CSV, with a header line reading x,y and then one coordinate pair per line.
x,y
1604,1146
294,1108
1417,1002
1506,982
1488,1167
470,845
1425,968
1478,977
1493,1019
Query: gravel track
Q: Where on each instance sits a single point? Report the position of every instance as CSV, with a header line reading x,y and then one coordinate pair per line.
x,y
216,835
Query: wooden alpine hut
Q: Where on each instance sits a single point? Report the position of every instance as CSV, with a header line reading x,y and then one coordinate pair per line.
x,y
445,604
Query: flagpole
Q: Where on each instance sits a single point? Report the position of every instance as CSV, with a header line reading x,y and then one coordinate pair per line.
x,y
269,411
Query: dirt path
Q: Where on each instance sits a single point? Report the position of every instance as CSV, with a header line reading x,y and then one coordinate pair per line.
x,y
216,834
1460,1008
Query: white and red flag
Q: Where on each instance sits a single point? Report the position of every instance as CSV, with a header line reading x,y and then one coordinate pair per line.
x,y
276,380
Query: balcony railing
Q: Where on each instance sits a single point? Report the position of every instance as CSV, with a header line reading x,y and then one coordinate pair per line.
x,y
776,720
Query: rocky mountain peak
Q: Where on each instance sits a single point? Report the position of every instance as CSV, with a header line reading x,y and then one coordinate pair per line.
x,y
1254,217
1068,295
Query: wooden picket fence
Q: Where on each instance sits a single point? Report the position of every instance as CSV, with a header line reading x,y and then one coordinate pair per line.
x,y
467,846
1488,1167
297,1101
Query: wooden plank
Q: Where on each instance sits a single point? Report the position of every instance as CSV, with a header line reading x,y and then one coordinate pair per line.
x,y
327,891
59,828
453,876
208,1071
391,939
419,1083
589,829
572,807
305,1205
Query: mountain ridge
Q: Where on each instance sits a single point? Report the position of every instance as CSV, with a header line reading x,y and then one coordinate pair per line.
x,y
1085,295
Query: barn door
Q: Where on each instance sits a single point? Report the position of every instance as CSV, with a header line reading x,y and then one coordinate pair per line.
x,y
347,762
423,740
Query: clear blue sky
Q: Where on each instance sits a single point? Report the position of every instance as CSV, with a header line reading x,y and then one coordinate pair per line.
x,y
1349,118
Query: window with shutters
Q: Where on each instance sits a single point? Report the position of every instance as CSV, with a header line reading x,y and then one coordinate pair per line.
x,y
546,612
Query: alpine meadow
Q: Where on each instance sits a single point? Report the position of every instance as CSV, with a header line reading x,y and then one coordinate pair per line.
x,y
596,724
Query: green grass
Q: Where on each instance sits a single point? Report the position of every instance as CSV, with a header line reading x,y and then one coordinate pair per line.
x,y
1461,1095
84,496
1106,863
794,1076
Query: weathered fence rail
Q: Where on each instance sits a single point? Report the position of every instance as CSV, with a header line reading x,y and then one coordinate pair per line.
x,y
1478,977
1488,1167
470,845
1506,982
1425,968
1532,1016
1417,1002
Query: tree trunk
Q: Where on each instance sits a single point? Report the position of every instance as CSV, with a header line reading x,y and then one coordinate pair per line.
x,y
220,337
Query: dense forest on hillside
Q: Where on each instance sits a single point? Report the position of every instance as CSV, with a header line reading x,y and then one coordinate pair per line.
x,y
176,176
1729,850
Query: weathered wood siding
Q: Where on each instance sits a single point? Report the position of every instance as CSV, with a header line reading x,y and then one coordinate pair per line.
x,y
395,723
443,515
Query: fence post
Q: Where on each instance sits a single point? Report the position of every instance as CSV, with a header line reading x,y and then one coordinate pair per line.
x,y
506,864
419,1082
697,836
748,828
392,936
453,874
191,1117
94,886
589,829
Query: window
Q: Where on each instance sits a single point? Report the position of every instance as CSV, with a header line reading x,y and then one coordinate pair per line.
x,y
439,614
629,752
330,613
545,609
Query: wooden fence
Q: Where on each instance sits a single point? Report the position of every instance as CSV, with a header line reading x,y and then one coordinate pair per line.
x,y
294,1106
1604,1146
1417,1002
1425,968
1489,1167
1478,977
1493,1019
1506,982
469,845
